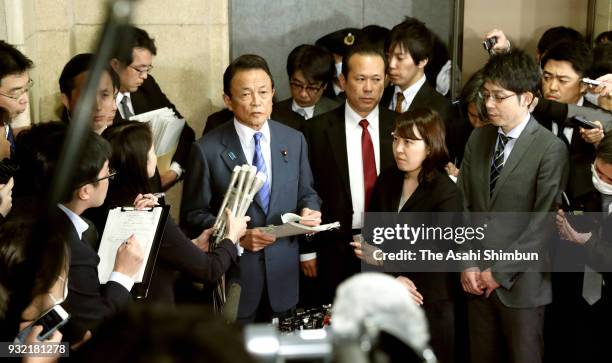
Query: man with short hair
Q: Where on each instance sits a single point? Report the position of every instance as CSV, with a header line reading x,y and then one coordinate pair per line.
x,y
15,82
409,49
139,93
88,301
355,141
511,165
311,70
268,268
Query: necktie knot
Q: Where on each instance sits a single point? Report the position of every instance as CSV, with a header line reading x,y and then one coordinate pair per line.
x,y
504,139
302,112
257,136
364,124
124,100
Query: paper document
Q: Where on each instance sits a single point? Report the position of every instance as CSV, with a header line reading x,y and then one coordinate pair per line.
x,y
295,229
166,128
120,225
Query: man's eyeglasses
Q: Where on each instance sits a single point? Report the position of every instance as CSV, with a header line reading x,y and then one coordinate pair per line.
x,y
142,72
110,176
16,95
310,89
495,97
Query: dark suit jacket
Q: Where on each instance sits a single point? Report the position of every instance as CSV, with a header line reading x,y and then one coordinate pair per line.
x,y
326,137
581,154
329,93
149,97
282,112
531,181
216,119
439,195
88,302
427,96
599,254
212,160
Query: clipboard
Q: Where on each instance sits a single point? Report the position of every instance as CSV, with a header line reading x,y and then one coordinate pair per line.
x,y
148,226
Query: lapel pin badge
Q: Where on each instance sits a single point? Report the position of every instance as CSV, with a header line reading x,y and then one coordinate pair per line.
x,y
284,153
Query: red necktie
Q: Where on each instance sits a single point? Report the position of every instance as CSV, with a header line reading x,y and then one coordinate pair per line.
x,y
369,162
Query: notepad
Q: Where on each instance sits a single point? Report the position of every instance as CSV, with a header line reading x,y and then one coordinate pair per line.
x,y
146,225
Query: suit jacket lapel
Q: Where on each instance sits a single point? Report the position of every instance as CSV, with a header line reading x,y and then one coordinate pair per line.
x,y
336,136
421,98
232,155
518,152
386,124
482,168
278,151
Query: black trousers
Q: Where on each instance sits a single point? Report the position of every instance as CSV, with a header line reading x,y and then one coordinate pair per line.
x,y
502,334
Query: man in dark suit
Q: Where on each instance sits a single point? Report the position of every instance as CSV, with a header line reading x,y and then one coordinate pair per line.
x,y
409,49
15,82
355,141
511,165
268,268
88,301
311,70
139,93
594,312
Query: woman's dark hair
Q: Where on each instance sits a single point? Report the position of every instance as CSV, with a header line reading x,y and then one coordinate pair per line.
x,y
430,126
33,253
131,142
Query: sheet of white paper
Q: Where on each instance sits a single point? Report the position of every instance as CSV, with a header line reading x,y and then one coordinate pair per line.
x,y
166,128
120,225
295,229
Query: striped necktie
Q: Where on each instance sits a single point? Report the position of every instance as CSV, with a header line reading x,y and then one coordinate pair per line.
x,y
498,160
260,164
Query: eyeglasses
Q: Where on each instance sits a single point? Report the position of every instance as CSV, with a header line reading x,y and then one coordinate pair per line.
x,y
310,89
495,97
142,72
18,93
110,176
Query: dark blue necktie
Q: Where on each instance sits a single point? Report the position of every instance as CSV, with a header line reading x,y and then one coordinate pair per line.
x,y
260,164
498,160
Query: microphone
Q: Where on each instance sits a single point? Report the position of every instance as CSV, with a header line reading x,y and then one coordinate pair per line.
x,y
375,307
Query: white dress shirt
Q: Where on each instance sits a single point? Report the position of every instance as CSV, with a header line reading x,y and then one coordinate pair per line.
x,y
247,142
120,106
309,110
513,134
81,226
568,131
355,160
409,94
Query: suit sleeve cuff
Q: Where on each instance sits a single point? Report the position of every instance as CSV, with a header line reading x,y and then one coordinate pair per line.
x,y
122,280
308,256
176,167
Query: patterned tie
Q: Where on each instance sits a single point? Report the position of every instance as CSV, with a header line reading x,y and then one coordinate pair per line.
x,y
399,101
302,113
498,160
369,161
126,109
260,164
592,283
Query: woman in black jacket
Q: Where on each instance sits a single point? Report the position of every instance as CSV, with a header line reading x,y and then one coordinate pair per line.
x,y
420,184
134,162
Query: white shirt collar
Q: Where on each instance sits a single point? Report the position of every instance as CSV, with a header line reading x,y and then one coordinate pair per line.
x,y
79,224
337,89
580,101
245,133
309,110
412,90
353,118
518,129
